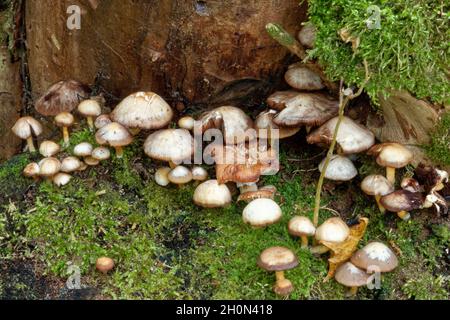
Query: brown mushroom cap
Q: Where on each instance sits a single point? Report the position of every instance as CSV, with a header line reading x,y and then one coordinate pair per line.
x,y
277,259
310,109
307,35
49,167
352,137
211,194
281,99
104,264
180,175
339,168
411,184
64,119
265,121
49,148
102,120
89,108
114,134
402,200
91,161
144,110
333,230
31,170
301,226
170,145
25,127
351,276
101,153
375,254
262,212
391,154
376,185
199,173
63,96
70,164
303,78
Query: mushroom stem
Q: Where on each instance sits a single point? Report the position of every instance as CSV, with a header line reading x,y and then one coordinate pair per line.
x,y
31,144
134,131
319,249
404,215
380,206
390,175
304,241
352,292
279,275
172,165
65,135
90,122
119,152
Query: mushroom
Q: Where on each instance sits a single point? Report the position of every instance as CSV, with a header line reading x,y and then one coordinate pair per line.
x,y
199,174
49,148
162,176
143,110
375,257
377,185
101,153
351,276
61,179
279,259
25,127
102,120
339,168
65,120
302,227
303,78
104,264
83,166
247,187
49,167
70,164
63,96
392,156
265,126
83,149
402,201
31,170
91,161
331,230
115,135
281,99
262,212
267,192
352,137
211,194
410,184
186,123
307,35
171,145
90,109
180,175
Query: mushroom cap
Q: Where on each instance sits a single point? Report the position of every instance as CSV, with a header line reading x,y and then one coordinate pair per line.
x,y
63,96
180,175
161,176
101,153
91,161
339,168
350,275
301,226
333,230
249,196
280,99
144,110
199,173
375,254
83,149
265,121
31,170
262,212
64,119
351,138
170,145
277,259
303,78
376,185
90,108
402,200
307,35
70,164
49,167
114,134
83,166
211,194
25,127
410,184
61,179
391,154
104,264
233,122
49,148
310,109
186,122
102,120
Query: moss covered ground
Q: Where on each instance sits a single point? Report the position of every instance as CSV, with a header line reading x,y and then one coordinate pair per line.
x,y
165,247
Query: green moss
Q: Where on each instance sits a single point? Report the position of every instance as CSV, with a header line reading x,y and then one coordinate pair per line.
x,y
439,148
426,287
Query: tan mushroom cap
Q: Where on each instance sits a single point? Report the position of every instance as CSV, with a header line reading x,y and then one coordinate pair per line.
x,y
102,120
25,127
375,255
265,121
199,173
49,167
277,259
351,138
350,275
307,35
301,226
410,184
402,200
281,99
104,264
144,110
161,176
310,109
70,164
31,170
376,185
339,168
49,148
101,153
91,161
211,194
303,78
391,154
114,134
170,145
89,108
64,119
83,149
61,179
63,96
186,122
333,230
180,175
262,212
